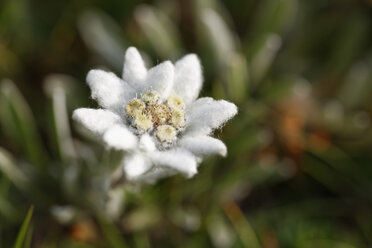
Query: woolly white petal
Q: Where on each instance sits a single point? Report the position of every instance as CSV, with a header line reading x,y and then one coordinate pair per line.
x,y
97,121
200,102
188,78
136,165
147,143
134,71
206,114
108,90
160,79
203,145
119,137
155,174
179,160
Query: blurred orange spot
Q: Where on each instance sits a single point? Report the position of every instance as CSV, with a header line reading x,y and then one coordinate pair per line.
x,y
269,239
232,210
292,123
319,141
83,231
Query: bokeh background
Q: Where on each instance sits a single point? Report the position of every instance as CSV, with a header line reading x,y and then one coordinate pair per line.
x,y
299,166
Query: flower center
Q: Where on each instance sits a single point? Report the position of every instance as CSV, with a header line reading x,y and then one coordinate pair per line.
x,y
162,120
158,113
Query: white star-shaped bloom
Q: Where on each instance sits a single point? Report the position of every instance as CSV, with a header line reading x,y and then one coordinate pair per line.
x,y
155,117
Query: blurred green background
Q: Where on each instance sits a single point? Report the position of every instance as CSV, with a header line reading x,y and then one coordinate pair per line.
x,y
299,165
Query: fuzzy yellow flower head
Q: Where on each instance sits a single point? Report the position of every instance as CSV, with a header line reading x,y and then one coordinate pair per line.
x,y
166,133
178,119
148,112
142,122
135,107
150,97
175,102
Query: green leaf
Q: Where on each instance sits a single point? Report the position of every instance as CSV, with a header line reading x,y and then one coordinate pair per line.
x,y
11,170
356,88
242,226
7,210
18,122
218,37
237,78
55,87
348,43
159,30
265,51
274,16
103,36
23,231
142,218
220,231
326,243
112,234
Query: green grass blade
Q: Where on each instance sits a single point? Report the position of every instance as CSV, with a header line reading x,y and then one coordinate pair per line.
x,y
11,170
111,233
7,210
274,16
243,228
159,30
103,36
54,87
237,78
265,52
218,36
19,124
23,231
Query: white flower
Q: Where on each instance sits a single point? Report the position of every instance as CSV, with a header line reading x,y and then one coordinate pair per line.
x,y
155,117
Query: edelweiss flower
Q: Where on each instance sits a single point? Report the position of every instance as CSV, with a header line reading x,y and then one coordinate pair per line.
x,y
153,115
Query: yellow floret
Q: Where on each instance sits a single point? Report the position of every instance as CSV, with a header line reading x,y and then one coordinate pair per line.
x,y
150,97
175,102
178,118
166,133
135,107
142,121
